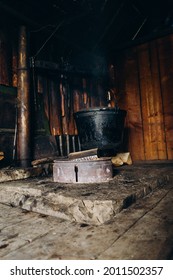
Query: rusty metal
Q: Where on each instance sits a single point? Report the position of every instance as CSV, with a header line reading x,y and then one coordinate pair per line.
x,y
82,171
23,102
67,144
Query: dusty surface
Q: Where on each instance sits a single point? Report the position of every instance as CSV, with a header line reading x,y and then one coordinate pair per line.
x,y
144,230
9,174
84,203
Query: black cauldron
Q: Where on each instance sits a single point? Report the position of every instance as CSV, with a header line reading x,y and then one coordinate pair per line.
x,y
100,127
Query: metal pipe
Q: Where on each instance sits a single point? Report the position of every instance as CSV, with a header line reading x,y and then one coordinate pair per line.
x,y
23,103
73,143
68,144
139,29
60,145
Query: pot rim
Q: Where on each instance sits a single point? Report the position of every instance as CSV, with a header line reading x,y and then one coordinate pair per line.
x,y
101,109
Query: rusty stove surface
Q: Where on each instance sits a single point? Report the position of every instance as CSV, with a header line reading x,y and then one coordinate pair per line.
x,y
83,170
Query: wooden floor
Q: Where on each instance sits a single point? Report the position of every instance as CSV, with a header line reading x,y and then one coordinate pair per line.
x,y
142,231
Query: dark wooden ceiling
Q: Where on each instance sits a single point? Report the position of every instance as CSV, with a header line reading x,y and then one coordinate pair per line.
x,y
87,26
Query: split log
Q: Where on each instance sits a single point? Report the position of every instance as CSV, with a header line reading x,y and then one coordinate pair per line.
x,y
82,154
43,160
1,155
103,152
121,158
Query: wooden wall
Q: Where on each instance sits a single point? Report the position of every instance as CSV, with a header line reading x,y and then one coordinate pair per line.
x,y
64,95
144,79
8,58
141,79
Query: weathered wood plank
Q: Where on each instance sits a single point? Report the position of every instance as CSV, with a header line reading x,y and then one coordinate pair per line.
x,y
139,232
4,59
95,102
71,121
128,96
165,47
10,215
158,117
134,118
54,109
147,103
147,237
146,94
22,231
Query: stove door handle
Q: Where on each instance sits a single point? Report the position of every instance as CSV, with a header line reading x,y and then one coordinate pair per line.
x,y
76,172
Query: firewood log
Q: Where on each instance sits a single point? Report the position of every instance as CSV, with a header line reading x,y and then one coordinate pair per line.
x,y
1,155
122,158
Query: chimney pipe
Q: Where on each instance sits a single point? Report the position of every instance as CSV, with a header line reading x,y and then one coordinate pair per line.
x,y
23,102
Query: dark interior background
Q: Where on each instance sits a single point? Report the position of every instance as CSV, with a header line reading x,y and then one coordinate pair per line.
x,y
80,31
90,47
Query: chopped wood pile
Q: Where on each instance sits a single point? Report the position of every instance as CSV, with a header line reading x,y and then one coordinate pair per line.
x,y
1,155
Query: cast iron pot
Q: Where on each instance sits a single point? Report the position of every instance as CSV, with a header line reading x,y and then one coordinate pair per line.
x,y
100,127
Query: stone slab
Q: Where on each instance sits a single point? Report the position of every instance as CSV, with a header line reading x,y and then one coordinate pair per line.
x,y
84,203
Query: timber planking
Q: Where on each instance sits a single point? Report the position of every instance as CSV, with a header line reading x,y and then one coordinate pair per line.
x,y
165,48
134,116
143,231
146,80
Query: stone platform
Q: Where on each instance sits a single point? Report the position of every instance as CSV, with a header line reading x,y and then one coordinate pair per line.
x,y
92,204
131,217
143,231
